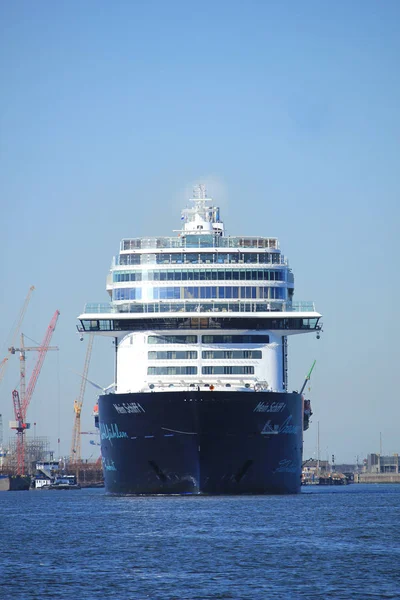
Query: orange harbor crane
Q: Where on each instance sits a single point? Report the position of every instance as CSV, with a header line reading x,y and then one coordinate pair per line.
x,y
4,362
75,454
21,402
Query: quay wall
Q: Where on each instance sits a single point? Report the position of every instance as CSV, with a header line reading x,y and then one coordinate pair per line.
x,y
377,478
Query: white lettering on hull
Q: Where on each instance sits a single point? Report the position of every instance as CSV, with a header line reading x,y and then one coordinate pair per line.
x,y
129,408
273,429
286,466
109,465
111,432
270,407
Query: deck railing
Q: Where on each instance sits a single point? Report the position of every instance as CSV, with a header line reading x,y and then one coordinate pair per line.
x,y
165,306
199,241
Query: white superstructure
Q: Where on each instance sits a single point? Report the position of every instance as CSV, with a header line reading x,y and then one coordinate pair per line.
x,y
200,308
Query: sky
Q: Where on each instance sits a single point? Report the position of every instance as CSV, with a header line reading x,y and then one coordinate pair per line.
x,y
288,111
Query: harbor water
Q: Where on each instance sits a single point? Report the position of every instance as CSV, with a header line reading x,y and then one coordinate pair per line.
x,y
327,542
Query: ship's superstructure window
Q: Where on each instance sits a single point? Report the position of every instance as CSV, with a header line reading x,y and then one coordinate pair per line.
x,y
200,275
228,370
246,321
194,292
235,339
269,258
127,294
172,339
172,370
234,354
173,355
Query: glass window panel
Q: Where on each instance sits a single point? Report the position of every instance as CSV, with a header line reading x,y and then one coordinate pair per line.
x,y
172,339
172,370
228,370
172,355
235,339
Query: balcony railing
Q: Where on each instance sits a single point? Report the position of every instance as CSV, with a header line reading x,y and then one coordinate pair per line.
x,y
165,306
202,260
199,241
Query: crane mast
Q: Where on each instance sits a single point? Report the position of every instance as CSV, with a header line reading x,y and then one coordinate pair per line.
x,y
75,454
21,404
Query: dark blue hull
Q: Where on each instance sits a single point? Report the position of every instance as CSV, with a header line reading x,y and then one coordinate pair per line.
x,y
201,442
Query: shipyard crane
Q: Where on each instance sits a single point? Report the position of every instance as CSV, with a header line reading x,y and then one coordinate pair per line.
x,y
21,401
78,403
4,362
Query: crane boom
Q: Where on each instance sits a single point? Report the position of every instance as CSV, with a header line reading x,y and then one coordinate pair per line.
x,y
308,377
86,369
78,403
4,362
39,362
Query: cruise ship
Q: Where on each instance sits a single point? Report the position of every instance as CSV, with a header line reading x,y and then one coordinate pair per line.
x,y
200,323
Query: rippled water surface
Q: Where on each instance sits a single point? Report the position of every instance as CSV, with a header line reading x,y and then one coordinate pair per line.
x,y
323,543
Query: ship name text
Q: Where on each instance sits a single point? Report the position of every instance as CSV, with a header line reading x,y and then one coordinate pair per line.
x,y
111,432
270,407
286,427
286,466
129,407
109,465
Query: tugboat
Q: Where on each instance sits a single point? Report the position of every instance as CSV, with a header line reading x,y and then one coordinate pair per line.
x,y
63,482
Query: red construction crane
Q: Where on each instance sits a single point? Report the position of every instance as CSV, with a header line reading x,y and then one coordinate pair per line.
x,y
4,362
21,403
75,455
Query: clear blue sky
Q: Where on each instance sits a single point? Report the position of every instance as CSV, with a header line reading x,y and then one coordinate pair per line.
x,y
289,111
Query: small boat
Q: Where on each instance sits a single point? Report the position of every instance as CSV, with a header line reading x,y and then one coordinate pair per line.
x,y
64,482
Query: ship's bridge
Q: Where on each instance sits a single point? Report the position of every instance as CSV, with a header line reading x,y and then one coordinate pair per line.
x,y
108,319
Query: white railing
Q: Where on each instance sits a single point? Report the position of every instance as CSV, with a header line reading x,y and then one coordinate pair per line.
x,y
165,306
